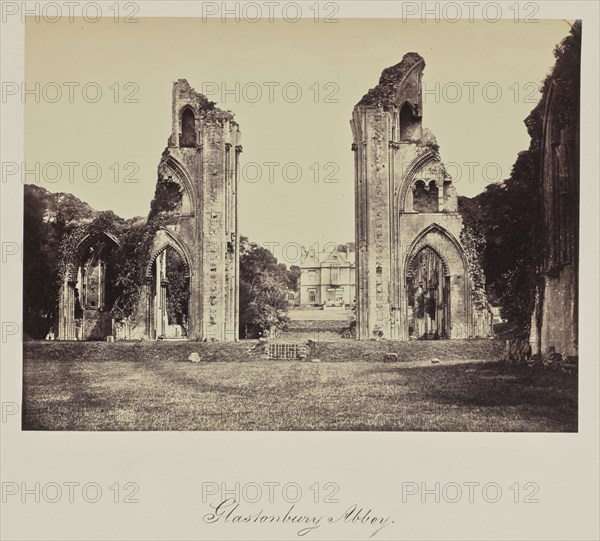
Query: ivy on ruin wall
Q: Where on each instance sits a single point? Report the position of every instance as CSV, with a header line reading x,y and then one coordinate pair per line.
x,y
473,243
510,214
128,260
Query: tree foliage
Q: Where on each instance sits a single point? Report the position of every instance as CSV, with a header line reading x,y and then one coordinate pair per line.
x,y
510,215
177,288
263,289
40,263
55,225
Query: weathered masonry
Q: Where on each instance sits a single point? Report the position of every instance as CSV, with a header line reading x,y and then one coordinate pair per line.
x,y
413,276
554,126
200,165
195,207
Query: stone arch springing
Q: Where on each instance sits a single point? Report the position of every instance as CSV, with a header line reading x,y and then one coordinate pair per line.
x,y
84,244
188,123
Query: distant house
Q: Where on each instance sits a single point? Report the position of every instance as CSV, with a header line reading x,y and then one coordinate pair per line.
x,y
327,279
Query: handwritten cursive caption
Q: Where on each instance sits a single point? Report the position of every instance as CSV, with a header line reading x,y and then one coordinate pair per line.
x,y
231,511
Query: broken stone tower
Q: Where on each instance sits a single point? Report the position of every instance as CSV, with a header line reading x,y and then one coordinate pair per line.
x,y
412,273
196,200
190,278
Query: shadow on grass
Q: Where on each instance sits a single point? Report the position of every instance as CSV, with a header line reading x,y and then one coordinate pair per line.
x,y
164,393
537,393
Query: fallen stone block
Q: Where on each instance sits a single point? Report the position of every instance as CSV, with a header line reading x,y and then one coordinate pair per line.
x,y
194,357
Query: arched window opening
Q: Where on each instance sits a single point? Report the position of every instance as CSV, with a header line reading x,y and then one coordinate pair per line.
x,y
188,128
425,196
409,123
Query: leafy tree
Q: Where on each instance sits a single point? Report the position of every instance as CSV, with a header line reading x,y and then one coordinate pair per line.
x,y
39,264
350,246
263,290
177,288
293,277
510,214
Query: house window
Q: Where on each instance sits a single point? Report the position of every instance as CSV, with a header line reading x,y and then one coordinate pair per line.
x,y
339,294
335,275
312,295
312,276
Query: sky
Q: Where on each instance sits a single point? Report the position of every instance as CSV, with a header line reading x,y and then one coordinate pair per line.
x,y
292,87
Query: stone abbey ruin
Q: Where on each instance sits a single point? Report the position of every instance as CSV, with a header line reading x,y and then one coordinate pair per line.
x,y
413,274
413,278
417,272
195,205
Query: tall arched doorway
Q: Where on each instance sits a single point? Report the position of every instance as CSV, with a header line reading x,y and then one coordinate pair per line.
x,y
87,294
428,296
169,295
95,293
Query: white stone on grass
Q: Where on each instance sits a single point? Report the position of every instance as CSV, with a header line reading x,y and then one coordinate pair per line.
x,y
194,357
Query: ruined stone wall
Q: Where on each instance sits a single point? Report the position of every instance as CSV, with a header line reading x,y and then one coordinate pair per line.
x,y
396,162
194,213
558,328
202,159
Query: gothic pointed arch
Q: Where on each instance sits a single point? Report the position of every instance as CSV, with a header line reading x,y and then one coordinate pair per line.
x,y
417,165
188,122
413,256
444,244
91,239
171,170
167,239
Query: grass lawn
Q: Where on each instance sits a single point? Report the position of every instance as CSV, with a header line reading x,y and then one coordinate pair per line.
x,y
149,386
